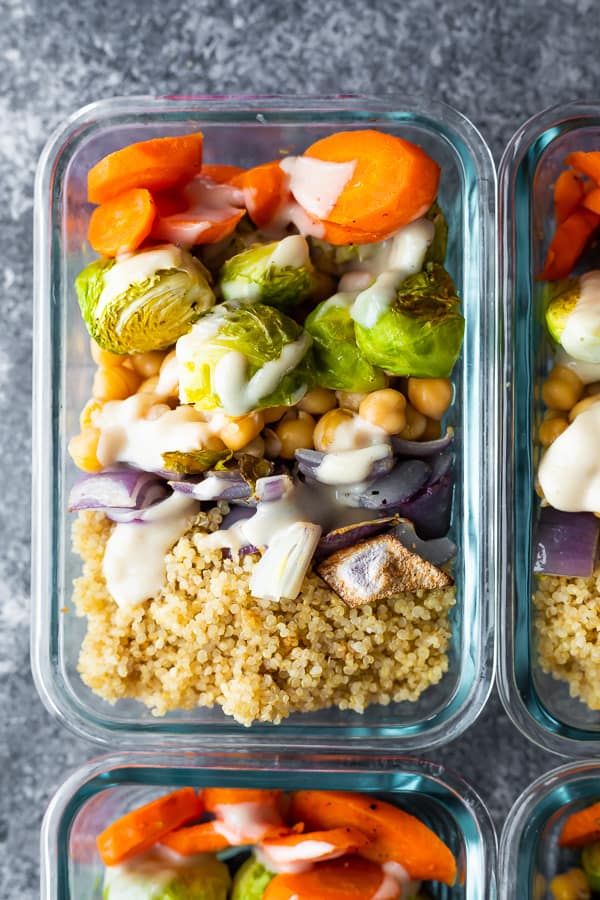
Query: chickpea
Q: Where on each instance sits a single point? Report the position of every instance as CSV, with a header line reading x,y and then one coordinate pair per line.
x,y
148,386
539,886
349,400
295,432
592,389
148,364
318,401
326,427
272,444
86,416
385,409
571,885
213,442
433,430
551,428
158,410
582,406
105,358
83,449
116,383
239,431
562,389
274,413
430,396
416,423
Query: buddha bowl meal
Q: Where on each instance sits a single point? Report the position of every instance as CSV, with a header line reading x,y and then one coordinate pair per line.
x,y
268,478
566,602
580,837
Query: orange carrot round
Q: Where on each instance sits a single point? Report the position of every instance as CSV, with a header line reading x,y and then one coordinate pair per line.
x,y
568,243
393,181
203,838
341,841
394,834
581,828
143,827
351,878
591,201
188,229
587,164
157,164
569,191
220,172
122,224
341,235
265,191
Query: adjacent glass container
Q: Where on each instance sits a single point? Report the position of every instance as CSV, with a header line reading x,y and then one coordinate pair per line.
x,y
529,853
245,131
538,704
108,787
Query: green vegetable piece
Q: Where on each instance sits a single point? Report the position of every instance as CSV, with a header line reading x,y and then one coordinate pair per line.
x,y
417,329
278,274
560,301
152,877
250,880
194,462
436,252
339,364
239,359
335,260
590,859
144,302
253,467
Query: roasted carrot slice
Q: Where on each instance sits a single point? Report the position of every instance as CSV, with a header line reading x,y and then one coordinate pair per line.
x,y
157,164
591,201
351,878
265,191
568,243
393,181
214,797
211,212
203,838
143,827
341,235
220,172
581,828
334,842
569,191
122,224
587,164
394,834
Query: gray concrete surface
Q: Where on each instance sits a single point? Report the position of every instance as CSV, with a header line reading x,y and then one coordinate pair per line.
x,y
497,62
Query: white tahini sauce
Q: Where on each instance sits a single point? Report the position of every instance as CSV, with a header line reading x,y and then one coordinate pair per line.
x,y
141,266
581,335
356,433
375,300
396,883
291,252
350,466
317,184
588,372
245,822
284,859
569,471
134,559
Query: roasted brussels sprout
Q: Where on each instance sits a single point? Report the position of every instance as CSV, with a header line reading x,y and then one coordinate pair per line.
x,y
250,880
153,877
573,315
277,274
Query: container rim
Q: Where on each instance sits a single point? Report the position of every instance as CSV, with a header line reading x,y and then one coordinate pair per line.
x,y
400,108
542,124
334,763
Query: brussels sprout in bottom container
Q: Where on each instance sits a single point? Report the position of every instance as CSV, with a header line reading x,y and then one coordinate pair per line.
x,y
248,827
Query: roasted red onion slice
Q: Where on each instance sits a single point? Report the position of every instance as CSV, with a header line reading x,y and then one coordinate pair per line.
x,y
349,535
388,492
221,486
437,551
310,460
125,489
273,487
430,510
422,449
566,543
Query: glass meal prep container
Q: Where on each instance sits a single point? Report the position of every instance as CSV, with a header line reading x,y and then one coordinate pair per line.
x,y
106,788
529,854
244,131
537,703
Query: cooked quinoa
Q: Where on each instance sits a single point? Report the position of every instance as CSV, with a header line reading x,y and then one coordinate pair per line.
x,y
204,640
567,627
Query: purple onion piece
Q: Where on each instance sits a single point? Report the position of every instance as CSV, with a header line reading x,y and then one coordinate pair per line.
x,y
237,514
309,461
437,551
123,488
243,551
422,449
430,510
349,535
388,492
215,487
272,488
566,543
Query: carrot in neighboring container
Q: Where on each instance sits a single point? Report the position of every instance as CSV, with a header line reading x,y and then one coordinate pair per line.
x,y
569,191
568,243
220,172
122,224
350,878
581,828
393,182
265,191
591,201
157,164
394,834
214,797
203,838
587,164
143,827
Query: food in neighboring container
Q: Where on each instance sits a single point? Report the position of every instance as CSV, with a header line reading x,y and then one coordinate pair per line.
x,y
265,418
568,473
581,833
327,844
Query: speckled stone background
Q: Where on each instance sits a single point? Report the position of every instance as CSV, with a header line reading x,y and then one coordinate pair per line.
x,y
499,62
